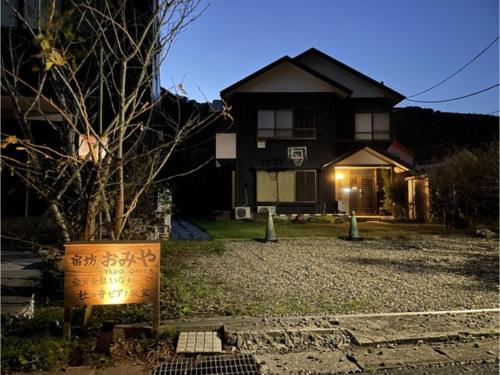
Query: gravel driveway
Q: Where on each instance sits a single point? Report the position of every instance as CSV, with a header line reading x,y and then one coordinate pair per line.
x,y
327,276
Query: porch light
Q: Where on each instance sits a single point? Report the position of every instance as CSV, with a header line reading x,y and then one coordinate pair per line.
x,y
339,176
346,190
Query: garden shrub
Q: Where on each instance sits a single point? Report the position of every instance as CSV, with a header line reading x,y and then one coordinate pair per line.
x,y
33,353
34,344
395,195
321,219
46,321
464,190
37,344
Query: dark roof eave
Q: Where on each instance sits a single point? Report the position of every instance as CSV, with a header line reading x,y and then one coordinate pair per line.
x,y
398,96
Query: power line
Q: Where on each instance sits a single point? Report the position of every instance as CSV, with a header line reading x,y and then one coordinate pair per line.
x,y
457,98
458,71
491,113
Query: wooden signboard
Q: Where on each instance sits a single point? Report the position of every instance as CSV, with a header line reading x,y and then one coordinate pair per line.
x,y
109,273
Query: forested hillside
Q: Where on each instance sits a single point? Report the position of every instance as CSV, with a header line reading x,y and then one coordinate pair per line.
x,y
431,133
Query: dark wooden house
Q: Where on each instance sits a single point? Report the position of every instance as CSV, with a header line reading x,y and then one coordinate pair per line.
x,y
310,135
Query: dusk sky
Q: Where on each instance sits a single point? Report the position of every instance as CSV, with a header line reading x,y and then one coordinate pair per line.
x,y
410,45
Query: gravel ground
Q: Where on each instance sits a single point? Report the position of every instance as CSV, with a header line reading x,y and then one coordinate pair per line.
x,y
328,276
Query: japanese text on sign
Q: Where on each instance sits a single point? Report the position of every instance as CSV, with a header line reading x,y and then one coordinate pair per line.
x,y
111,273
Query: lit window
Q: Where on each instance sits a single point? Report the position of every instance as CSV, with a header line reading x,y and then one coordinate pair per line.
x,y
372,126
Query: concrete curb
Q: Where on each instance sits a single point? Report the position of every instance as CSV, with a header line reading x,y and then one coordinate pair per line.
x,y
355,329
358,342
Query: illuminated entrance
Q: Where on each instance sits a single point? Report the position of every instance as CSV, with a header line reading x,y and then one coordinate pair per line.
x,y
360,189
359,180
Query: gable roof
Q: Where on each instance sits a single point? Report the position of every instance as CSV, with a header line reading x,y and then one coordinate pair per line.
x,y
382,155
313,51
287,59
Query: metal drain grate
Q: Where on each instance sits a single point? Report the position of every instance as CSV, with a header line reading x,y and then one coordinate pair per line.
x,y
241,364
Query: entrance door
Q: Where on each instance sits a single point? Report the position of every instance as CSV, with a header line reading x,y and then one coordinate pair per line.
x,y
363,195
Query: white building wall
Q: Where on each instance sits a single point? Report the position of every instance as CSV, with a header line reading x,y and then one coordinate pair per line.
x,y
286,78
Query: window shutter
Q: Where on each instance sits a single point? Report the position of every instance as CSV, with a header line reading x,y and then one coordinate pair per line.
x,y
266,187
305,186
286,186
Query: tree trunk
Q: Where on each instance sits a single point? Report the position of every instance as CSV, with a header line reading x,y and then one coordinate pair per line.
x,y
89,231
61,223
120,193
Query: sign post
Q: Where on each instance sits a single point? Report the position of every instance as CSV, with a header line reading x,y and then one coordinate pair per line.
x,y
111,273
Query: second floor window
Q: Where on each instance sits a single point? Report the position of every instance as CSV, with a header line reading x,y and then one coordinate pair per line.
x,y
286,123
372,126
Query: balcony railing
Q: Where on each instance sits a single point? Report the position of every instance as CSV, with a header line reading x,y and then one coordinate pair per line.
x,y
297,133
376,135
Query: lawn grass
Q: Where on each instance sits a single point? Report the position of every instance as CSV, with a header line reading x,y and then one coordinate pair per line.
x,y
182,295
238,229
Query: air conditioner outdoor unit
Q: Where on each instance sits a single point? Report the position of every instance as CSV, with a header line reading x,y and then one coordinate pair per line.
x,y
343,206
264,210
242,213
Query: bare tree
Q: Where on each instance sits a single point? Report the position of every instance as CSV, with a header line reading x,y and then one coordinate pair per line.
x,y
90,72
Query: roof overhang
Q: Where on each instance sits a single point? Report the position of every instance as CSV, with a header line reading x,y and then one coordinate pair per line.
x,y
336,87
367,157
395,96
